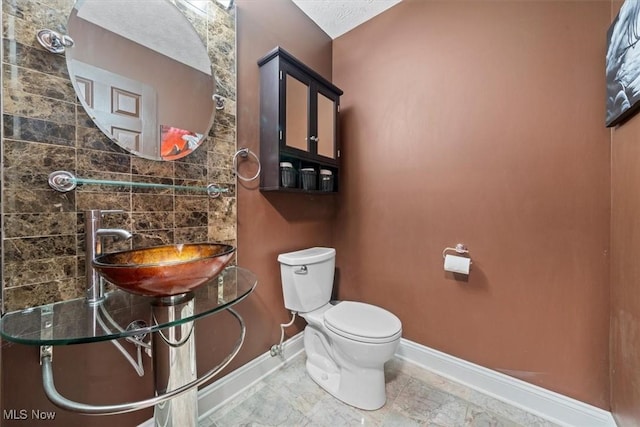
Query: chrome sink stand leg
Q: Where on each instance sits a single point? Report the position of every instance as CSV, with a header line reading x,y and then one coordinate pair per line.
x,y
174,361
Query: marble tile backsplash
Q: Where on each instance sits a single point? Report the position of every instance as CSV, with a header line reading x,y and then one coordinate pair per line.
x,y
45,128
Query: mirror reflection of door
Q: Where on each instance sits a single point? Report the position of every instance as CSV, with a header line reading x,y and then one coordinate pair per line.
x,y
326,127
297,129
126,109
130,40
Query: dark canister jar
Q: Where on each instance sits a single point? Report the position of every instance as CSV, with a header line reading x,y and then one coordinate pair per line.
x,y
308,177
326,180
287,175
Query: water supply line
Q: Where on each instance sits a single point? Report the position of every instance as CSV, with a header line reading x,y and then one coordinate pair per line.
x,y
277,349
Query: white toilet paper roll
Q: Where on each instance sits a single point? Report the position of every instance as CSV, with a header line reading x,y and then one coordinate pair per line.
x,y
457,264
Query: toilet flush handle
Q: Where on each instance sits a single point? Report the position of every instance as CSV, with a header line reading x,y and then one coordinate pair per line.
x,y
301,270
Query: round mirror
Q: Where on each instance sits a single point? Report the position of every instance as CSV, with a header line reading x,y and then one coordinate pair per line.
x,y
142,74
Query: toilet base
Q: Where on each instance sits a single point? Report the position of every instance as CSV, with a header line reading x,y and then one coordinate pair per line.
x,y
362,387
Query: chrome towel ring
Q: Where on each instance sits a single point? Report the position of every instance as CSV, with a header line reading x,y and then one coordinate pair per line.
x,y
244,153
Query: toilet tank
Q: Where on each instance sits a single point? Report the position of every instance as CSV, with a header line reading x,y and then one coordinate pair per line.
x,y
307,278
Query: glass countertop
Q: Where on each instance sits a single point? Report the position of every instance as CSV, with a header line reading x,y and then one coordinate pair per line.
x,y
77,322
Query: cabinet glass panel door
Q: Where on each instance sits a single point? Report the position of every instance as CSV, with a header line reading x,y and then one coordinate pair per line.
x,y
326,127
297,127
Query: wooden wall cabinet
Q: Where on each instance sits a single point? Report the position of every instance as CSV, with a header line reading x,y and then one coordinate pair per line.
x,y
298,122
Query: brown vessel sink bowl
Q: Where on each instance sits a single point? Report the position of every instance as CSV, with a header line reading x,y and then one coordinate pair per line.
x,y
162,271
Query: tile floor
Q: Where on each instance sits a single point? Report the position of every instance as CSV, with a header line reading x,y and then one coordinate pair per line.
x,y
415,397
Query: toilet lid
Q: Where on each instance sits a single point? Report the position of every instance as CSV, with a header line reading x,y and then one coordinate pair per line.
x,y
362,322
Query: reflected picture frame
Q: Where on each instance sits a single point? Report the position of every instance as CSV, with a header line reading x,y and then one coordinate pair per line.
x,y
623,65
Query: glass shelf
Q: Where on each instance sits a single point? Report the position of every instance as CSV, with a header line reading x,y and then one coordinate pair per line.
x,y
76,322
64,181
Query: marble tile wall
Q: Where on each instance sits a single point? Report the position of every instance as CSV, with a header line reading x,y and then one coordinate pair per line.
x,y
46,129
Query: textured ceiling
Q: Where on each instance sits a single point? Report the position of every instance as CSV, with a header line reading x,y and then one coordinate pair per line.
x,y
128,18
336,17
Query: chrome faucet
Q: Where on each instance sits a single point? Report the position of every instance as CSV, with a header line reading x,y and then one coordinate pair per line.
x,y
118,233
93,235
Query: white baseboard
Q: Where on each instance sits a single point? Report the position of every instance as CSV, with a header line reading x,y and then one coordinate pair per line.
x,y
231,385
547,404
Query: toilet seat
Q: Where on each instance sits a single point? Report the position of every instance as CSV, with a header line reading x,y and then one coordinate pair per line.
x,y
363,322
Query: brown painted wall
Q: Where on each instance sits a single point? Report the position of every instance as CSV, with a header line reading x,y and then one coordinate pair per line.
x,y
482,123
269,224
625,274
625,269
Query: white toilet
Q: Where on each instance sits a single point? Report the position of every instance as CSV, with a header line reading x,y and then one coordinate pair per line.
x,y
347,343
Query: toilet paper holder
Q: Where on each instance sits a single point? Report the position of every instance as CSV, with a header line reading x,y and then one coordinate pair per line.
x,y
459,249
